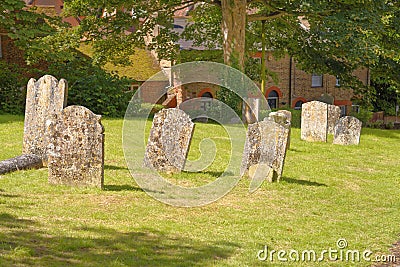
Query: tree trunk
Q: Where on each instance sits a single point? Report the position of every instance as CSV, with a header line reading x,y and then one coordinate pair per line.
x,y
233,30
27,161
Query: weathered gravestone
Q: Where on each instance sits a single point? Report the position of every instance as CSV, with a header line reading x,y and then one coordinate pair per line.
x,y
326,98
45,98
285,122
76,148
265,150
333,117
347,131
169,141
314,121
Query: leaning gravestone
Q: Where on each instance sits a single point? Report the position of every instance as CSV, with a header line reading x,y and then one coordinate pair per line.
x,y
169,141
314,121
76,148
347,131
287,122
265,150
44,98
333,117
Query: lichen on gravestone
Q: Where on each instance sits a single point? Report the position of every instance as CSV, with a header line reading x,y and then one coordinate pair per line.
x,y
76,148
265,145
314,121
45,98
347,131
333,117
169,141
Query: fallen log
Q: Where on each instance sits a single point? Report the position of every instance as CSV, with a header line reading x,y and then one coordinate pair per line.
x,y
23,162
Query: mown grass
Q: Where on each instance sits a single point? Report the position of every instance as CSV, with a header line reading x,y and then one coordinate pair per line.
x,y
327,192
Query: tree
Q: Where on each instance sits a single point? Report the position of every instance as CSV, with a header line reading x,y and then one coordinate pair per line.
x,y
38,35
339,36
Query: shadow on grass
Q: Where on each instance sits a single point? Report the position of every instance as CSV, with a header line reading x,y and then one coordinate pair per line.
x,y
111,167
301,182
124,187
26,242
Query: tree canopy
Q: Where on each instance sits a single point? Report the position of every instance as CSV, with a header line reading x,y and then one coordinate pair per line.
x,y
333,37
326,36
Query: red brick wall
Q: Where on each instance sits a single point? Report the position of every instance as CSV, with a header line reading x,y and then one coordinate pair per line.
x,y
301,83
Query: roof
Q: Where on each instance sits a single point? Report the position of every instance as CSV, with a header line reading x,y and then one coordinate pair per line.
x,y
141,69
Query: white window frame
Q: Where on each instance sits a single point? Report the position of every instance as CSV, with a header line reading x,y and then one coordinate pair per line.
x,y
337,82
317,80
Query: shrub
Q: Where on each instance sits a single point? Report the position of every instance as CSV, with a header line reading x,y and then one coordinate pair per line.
x,y
364,116
90,86
12,94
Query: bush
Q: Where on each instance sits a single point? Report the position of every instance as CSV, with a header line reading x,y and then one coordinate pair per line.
x,y
90,86
12,94
364,116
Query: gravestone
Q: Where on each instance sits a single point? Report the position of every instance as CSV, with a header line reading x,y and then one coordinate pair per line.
x,y
326,98
44,98
347,131
265,147
333,117
76,148
169,141
284,118
314,121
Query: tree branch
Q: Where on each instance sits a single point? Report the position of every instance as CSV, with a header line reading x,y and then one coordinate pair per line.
x,y
258,17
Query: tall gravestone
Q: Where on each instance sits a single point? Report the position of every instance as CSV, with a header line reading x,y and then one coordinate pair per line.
x,y
314,121
347,131
333,117
169,141
76,148
45,98
265,150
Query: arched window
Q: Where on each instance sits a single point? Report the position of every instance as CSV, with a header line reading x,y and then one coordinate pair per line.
x,y
273,99
298,104
207,94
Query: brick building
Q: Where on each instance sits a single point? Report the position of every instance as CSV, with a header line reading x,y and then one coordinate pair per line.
x,y
294,86
304,87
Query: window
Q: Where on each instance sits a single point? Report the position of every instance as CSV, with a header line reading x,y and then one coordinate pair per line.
x,y
316,80
273,99
298,104
337,82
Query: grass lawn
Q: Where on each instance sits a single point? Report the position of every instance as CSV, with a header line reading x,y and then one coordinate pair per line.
x,y
327,192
